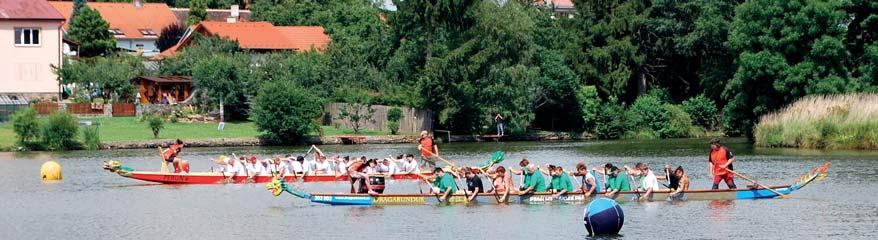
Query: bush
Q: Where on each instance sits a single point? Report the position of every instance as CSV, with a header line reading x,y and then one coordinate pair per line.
x,y
285,111
834,122
590,105
609,122
91,138
647,113
393,117
156,124
679,124
26,125
702,110
59,132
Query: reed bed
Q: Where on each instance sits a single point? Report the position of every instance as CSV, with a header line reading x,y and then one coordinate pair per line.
x,y
848,121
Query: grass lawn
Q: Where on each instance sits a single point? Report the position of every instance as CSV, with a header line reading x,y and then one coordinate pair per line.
x,y
7,136
129,129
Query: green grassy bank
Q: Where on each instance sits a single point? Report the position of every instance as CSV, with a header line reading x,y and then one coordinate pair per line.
x,y
831,122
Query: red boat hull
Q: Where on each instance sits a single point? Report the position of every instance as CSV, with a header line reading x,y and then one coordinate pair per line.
x,y
217,178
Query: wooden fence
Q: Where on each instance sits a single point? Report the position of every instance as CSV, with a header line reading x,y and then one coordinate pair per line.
x,y
124,110
46,108
413,120
85,109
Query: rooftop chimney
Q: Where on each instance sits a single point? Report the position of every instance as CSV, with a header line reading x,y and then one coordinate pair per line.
x,y
233,16
138,4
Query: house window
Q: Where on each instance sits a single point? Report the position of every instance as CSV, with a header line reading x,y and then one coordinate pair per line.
x,y
117,32
147,32
27,36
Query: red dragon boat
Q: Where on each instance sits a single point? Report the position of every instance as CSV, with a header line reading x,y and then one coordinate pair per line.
x,y
219,177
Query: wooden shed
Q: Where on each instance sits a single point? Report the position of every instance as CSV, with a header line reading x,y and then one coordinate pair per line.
x,y
152,88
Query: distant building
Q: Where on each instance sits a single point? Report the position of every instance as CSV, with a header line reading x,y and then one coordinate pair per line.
x,y
30,43
258,36
136,25
563,7
215,15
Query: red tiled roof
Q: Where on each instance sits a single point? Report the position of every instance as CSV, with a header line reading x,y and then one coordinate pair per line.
x,y
306,37
260,36
28,10
126,17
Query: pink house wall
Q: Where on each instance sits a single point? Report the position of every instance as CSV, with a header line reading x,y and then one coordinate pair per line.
x,y
27,69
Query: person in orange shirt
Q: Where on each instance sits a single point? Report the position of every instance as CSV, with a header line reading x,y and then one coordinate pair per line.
x,y
720,161
428,149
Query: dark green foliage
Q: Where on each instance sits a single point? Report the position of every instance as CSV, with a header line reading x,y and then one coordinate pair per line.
x,y
59,132
789,49
110,76
394,115
203,47
26,125
91,32
590,105
285,112
648,113
197,11
610,121
77,5
91,138
170,35
679,122
224,80
156,123
702,110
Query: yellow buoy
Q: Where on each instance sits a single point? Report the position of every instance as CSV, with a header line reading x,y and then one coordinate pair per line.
x,y
50,170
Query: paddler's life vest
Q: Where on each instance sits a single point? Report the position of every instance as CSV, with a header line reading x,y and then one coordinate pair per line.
x,y
718,158
597,183
426,146
173,150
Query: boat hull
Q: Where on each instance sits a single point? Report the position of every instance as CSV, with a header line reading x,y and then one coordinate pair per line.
x,y
218,178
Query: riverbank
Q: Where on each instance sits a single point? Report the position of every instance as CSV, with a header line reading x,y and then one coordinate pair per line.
x,y
823,122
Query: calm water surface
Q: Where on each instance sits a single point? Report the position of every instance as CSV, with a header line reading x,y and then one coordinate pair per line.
x,y
93,204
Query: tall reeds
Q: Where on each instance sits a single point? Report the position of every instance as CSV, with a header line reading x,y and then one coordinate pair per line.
x,y
848,121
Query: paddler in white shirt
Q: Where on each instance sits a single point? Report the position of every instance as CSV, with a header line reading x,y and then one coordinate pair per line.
x,y
234,167
388,167
410,165
276,167
253,168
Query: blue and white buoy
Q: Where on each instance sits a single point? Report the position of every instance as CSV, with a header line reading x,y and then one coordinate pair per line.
x,y
603,216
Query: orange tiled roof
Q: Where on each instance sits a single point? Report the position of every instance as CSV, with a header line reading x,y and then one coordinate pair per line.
x,y
306,37
260,36
126,17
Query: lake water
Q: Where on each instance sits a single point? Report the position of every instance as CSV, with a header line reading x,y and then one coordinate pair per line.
x,y
91,203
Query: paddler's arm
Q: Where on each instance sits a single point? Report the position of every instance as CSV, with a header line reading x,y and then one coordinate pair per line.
x,y
447,192
646,195
526,190
590,190
611,192
731,159
473,194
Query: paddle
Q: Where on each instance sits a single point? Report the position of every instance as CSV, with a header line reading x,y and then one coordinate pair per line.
x,y
424,178
636,189
164,168
493,189
496,158
781,195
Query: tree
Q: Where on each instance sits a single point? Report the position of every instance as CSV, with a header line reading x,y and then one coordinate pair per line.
x,y
285,111
77,5
590,105
110,76
170,35
223,78
202,47
91,32
393,117
357,110
156,124
789,49
197,11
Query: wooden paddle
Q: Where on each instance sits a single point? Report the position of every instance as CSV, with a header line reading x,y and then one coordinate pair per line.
x,y
494,189
164,168
781,195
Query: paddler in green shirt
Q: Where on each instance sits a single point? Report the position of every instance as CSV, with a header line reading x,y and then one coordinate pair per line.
x,y
617,181
560,183
443,183
534,180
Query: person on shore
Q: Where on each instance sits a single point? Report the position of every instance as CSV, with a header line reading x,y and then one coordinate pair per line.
x,y
560,183
617,181
429,150
172,156
678,182
410,165
473,183
720,162
498,119
443,183
589,184
358,174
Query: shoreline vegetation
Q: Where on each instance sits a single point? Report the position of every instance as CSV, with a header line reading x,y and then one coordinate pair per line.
x,y
848,121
